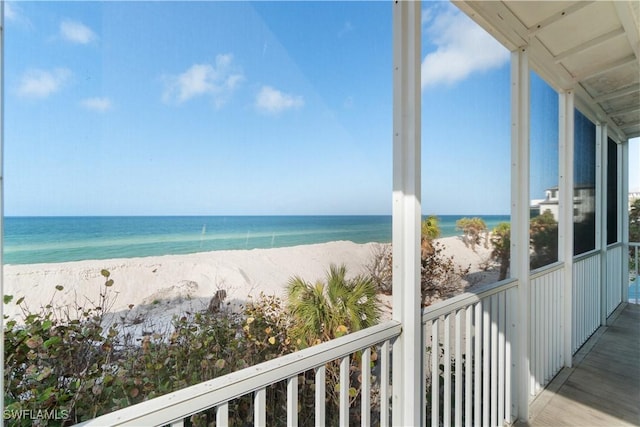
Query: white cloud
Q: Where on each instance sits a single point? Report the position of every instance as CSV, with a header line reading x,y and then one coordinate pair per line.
x,y
13,13
10,13
427,14
462,47
97,104
272,101
42,83
76,32
217,81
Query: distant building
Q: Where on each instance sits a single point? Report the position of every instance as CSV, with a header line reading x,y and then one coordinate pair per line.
x,y
584,202
550,203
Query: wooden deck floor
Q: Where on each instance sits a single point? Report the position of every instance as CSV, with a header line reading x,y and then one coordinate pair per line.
x,y
603,387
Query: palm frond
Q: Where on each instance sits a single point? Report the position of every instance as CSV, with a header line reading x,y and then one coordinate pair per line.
x,y
320,309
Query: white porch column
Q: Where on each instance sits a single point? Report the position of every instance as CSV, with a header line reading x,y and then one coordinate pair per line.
x,y
565,226
623,208
520,222
1,190
407,349
601,213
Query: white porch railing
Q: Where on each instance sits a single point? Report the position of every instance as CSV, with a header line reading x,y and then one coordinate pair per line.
x,y
585,297
467,360
173,408
614,277
546,323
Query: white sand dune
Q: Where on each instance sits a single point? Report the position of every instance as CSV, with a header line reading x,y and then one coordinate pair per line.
x,y
164,286
172,284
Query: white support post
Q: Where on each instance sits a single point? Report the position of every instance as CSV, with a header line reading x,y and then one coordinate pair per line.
x,y
602,162
407,349
1,192
565,226
623,209
520,222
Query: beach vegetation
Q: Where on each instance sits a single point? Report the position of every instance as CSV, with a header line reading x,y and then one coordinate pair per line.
x,y
84,364
329,309
61,359
634,221
430,227
474,229
634,232
71,360
441,277
326,309
543,235
380,268
501,247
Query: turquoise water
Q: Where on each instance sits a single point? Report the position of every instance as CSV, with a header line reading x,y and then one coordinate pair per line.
x,y
59,239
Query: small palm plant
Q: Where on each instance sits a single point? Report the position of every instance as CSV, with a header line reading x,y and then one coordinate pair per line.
x,y
325,310
329,309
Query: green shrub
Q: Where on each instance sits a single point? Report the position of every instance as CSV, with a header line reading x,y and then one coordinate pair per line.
x,y
501,243
61,362
70,365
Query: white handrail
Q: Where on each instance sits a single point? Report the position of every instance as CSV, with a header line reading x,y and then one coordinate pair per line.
x,y
200,397
463,300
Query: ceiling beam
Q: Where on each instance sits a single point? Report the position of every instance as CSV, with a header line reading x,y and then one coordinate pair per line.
x,y
631,131
605,68
627,90
625,15
589,44
535,28
594,111
633,109
511,32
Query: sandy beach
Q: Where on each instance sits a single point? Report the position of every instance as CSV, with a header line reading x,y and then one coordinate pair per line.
x,y
164,286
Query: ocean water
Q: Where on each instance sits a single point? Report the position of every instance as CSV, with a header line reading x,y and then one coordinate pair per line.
x,y
30,240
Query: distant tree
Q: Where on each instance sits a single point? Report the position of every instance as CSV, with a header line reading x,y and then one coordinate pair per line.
x,y
431,227
634,221
501,242
543,235
634,231
472,229
430,230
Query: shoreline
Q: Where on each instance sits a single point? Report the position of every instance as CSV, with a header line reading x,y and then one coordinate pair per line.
x,y
35,240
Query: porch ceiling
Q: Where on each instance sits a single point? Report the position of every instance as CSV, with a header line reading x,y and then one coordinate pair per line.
x,y
591,47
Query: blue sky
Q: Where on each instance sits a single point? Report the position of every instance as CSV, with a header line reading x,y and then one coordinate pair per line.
x,y
215,108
